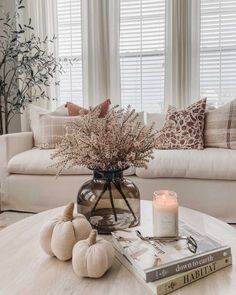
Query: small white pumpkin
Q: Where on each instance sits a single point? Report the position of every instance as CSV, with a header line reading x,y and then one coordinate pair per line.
x,y
59,235
92,257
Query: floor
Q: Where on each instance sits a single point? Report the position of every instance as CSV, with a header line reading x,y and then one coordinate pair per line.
x,y
8,218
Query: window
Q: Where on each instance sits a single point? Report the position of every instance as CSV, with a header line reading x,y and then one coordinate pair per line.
x,y
218,50
69,43
142,58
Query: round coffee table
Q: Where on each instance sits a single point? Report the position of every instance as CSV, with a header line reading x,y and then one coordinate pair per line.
x,y
25,269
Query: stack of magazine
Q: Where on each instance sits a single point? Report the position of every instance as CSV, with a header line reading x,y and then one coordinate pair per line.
x,y
167,266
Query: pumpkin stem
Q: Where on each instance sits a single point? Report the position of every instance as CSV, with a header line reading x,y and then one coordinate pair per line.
x,y
92,237
68,212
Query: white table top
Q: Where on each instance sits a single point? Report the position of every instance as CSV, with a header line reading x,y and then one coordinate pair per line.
x,y
25,269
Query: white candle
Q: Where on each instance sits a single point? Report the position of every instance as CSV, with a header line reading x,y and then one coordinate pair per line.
x,y
165,214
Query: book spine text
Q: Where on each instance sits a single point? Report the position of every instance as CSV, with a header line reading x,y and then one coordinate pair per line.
x,y
192,276
199,261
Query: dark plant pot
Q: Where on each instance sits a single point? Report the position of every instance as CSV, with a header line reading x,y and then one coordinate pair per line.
x,y
109,201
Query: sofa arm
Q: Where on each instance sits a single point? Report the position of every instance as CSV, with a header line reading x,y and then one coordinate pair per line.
x,y
11,145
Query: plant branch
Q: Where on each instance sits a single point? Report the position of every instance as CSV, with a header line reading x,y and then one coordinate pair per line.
x,y
19,56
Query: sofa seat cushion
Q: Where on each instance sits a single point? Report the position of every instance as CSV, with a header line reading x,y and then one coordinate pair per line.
x,y
37,161
210,163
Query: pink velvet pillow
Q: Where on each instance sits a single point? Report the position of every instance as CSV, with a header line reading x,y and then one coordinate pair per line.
x,y
76,110
183,129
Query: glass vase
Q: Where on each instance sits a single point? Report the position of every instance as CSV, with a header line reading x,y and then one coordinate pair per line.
x,y
109,201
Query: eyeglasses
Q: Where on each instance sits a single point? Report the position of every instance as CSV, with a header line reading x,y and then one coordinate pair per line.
x,y
191,243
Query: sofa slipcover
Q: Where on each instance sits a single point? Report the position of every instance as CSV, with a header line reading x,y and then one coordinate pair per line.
x,y
35,193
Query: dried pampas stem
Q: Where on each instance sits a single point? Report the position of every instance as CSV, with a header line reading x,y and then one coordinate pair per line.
x,y
114,142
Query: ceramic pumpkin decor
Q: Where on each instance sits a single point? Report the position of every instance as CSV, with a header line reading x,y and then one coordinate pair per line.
x,y
92,257
59,235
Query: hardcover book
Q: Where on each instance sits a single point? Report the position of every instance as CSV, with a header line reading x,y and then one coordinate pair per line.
x,y
170,284
155,260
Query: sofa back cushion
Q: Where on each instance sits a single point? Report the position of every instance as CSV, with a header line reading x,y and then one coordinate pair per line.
x,y
220,127
183,129
158,119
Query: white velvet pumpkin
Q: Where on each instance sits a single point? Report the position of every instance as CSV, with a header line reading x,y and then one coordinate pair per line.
x,y
92,257
59,235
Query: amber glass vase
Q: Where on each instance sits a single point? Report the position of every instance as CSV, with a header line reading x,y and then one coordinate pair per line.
x,y
109,201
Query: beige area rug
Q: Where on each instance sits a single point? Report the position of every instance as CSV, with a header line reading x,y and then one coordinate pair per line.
x,y
8,218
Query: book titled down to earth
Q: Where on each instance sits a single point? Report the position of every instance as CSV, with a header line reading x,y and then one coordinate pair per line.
x,y
166,266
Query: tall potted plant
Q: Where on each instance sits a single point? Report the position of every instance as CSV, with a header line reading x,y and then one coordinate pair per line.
x,y
26,68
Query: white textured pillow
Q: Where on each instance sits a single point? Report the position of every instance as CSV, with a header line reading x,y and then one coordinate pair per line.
x,y
34,113
157,118
60,111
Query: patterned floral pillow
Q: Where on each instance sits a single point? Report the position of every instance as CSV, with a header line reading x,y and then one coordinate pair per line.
x,y
183,129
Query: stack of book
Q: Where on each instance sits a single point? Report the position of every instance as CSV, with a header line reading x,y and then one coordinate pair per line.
x,y
167,266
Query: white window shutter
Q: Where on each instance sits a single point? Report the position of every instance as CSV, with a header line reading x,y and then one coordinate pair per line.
x,y
218,50
142,54
70,47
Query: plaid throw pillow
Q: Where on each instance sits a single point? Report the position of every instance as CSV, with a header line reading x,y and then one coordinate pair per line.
x,y
220,127
50,128
183,129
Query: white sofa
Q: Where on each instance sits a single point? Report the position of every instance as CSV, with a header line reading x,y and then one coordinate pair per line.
x,y
205,180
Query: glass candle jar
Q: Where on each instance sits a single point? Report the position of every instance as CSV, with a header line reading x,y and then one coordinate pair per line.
x,y
165,214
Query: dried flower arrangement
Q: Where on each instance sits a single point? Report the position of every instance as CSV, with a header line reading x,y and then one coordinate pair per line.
x,y
115,142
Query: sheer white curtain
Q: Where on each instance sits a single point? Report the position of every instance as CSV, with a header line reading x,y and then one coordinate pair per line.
x,y
100,42
195,51
182,53
44,20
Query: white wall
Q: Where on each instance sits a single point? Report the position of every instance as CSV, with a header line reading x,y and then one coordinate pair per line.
x,y
9,5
